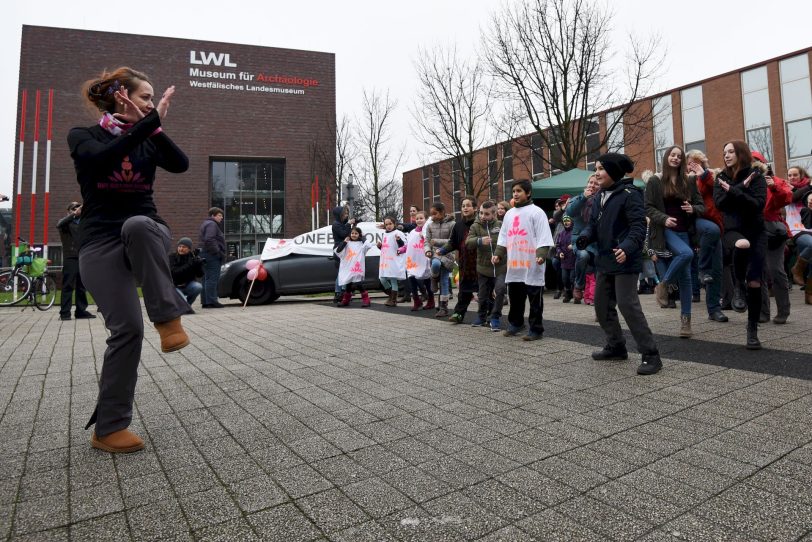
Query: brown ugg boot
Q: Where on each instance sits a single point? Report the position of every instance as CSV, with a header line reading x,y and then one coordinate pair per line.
x,y
808,291
123,441
799,271
173,337
393,299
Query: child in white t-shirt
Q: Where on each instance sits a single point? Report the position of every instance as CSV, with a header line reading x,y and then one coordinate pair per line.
x,y
352,268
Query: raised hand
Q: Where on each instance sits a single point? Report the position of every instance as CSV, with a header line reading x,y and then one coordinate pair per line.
x,y
749,178
131,113
163,105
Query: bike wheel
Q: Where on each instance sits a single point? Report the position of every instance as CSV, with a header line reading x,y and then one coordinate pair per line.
x,y
44,292
13,287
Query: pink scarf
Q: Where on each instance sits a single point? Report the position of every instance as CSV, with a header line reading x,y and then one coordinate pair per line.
x,y
113,125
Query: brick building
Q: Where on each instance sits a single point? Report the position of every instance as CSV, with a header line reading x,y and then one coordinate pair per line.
x,y
258,125
768,104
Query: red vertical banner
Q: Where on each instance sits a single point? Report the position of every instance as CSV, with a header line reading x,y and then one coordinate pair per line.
x,y
20,158
31,236
49,132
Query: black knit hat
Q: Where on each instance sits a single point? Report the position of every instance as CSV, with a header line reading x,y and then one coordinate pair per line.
x,y
186,242
616,165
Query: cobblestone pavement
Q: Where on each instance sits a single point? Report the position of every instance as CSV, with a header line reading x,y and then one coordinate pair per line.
x,y
300,421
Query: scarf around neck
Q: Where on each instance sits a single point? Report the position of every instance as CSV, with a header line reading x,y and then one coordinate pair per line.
x,y
113,125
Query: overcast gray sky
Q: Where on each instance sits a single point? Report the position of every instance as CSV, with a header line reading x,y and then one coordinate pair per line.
x,y
375,42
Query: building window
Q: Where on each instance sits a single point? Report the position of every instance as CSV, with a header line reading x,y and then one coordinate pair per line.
x,y
251,193
796,99
493,174
663,128
435,175
507,166
693,119
455,186
614,127
593,143
426,190
756,102
538,156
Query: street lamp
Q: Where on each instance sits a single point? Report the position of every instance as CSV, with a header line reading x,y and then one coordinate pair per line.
x,y
350,197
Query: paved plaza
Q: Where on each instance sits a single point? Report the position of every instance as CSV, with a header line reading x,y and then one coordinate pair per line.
x,y
300,421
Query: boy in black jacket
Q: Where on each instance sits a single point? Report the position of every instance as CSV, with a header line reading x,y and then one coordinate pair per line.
x,y
618,226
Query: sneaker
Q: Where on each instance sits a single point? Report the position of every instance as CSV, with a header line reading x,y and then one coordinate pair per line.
x,y
479,322
651,364
64,316
512,330
456,318
84,315
496,325
610,354
532,336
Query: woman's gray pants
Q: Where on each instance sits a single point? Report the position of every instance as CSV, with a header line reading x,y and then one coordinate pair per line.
x,y
111,270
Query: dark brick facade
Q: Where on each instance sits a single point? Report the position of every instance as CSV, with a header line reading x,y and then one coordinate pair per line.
x,y
205,122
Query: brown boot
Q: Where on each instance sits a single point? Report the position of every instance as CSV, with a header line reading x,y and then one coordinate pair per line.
x,y
393,299
123,441
661,293
808,291
685,326
799,271
172,335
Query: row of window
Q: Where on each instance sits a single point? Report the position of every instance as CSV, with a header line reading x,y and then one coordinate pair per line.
x,y
796,100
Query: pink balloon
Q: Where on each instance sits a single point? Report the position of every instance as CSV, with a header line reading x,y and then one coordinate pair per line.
x,y
252,264
262,274
252,274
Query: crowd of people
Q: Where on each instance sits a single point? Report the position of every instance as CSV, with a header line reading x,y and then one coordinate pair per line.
x,y
692,228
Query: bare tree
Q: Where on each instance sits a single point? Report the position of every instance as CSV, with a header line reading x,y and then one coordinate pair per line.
x,y
338,161
379,191
453,115
553,57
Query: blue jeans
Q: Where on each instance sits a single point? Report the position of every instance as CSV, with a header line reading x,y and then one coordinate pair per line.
x,y
709,236
389,284
211,275
438,267
679,268
190,291
804,246
581,263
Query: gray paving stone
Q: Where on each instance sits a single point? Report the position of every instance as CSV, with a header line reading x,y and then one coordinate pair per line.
x,y
256,494
41,514
158,521
109,527
538,487
416,524
145,489
551,525
301,480
332,511
371,531
235,530
603,519
95,501
376,497
465,516
416,484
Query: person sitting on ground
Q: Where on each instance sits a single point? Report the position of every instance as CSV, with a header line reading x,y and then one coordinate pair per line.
x,y
186,267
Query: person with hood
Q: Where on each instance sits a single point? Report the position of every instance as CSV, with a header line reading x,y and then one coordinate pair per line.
x,y
740,194
566,256
672,204
341,227
437,234
482,237
779,195
617,226
214,253
466,258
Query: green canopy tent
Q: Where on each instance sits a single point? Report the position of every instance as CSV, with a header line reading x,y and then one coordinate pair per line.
x,y
570,182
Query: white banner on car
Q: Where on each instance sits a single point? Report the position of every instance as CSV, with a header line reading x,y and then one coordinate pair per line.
x,y
318,242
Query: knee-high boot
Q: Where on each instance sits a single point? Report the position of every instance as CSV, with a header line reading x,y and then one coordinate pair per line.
x,y
753,314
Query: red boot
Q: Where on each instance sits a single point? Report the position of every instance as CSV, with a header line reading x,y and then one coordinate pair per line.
x,y
429,302
417,303
365,299
346,298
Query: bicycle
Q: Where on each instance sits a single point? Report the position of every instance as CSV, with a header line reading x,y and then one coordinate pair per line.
x,y
28,279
